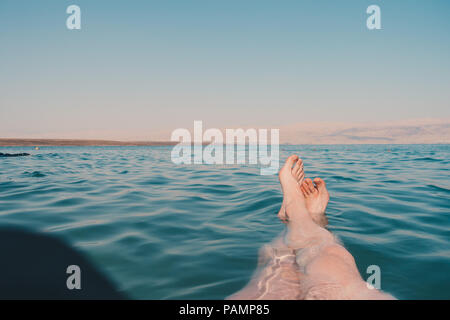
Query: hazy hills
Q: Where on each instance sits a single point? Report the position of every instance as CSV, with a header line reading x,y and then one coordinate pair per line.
x,y
396,132
411,131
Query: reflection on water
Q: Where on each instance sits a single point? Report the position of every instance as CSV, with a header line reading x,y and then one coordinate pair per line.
x,y
162,231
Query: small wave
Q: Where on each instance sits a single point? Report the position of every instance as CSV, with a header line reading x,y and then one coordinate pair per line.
x,y
342,178
427,159
158,180
438,188
68,202
216,189
243,173
35,174
264,203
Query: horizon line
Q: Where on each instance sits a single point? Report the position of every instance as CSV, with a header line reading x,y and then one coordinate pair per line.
x,y
36,142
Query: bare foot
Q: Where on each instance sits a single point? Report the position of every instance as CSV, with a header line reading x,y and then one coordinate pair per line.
x,y
300,226
316,199
298,174
293,199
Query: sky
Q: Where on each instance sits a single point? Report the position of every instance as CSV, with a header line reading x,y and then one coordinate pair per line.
x,y
141,67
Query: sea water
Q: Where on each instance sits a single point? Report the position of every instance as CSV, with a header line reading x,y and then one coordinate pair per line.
x,y
165,231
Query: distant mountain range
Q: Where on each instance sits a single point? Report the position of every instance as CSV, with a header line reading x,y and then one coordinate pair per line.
x,y
420,131
400,132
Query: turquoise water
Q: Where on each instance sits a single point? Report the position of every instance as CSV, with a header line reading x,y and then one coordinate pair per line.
x,y
162,231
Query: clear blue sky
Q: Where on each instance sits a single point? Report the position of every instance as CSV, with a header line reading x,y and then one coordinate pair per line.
x,y
152,65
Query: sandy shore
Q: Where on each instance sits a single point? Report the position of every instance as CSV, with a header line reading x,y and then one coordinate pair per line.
x,y
79,142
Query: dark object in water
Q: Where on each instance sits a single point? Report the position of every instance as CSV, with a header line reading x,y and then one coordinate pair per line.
x,y
35,266
4,155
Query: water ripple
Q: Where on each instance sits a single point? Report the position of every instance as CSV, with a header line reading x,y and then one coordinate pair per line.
x,y
168,231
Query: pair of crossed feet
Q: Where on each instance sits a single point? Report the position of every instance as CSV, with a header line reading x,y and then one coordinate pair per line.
x,y
314,192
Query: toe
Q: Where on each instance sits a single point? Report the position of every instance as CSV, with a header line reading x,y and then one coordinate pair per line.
x,y
310,185
290,161
301,176
298,169
299,165
320,184
286,170
305,189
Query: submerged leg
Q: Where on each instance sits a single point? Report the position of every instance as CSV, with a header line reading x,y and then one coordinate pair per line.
x,y
277,275
328,270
